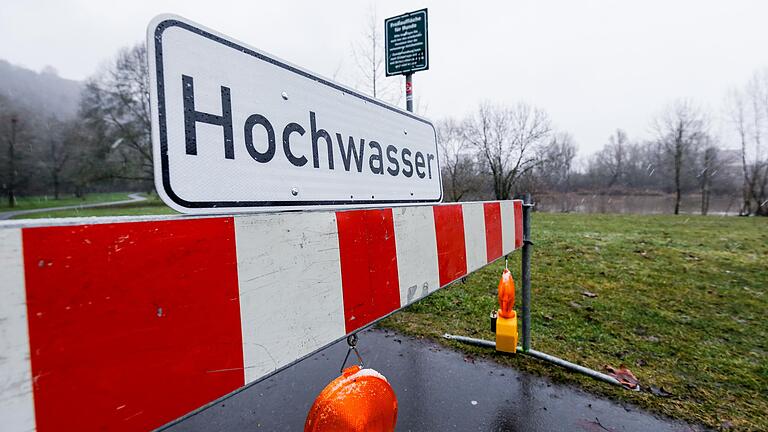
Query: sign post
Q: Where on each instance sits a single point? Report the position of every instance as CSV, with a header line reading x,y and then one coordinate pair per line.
x,y
407,48
409,92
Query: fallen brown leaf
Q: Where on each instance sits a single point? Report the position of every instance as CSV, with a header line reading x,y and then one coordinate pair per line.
x,y
624,376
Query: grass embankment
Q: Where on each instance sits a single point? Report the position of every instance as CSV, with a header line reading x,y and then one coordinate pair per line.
x,y
38,202
681,301
151,206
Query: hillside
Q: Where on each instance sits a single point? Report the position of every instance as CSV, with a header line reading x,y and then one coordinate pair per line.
x,y
39,92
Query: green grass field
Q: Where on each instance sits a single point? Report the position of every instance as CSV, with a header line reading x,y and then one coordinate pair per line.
x,y
681,301
36,202
152,206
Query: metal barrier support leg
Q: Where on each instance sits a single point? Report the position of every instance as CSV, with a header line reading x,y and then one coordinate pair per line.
x,y
526,336
526,272
541,356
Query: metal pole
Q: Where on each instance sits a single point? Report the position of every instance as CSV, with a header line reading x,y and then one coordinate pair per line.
x,y
541,356
409,92
12,164
526,272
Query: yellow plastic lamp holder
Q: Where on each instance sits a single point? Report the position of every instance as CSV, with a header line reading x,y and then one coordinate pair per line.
x,y
506,333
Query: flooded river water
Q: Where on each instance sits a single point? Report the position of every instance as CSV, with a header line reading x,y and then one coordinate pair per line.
x,y
637,204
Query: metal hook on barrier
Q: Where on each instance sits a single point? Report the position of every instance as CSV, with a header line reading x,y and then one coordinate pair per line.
x,y
352,346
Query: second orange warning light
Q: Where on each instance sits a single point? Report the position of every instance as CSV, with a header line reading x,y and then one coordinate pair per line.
x,y
506,318
359,400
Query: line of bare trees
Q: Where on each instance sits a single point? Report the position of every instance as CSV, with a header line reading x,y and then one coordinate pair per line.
x,y
106,146
498,151
496,148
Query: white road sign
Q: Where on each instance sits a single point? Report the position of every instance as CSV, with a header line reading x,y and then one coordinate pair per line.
x,y
238,130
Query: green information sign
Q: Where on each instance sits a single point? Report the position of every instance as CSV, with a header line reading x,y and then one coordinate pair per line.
x,y
407,46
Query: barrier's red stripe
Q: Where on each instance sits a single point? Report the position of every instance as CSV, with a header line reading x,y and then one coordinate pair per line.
x,y
518,224
368,265
131,325
493,244
451,249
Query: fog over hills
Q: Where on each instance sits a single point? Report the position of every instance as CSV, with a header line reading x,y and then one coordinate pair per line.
x,y
40,92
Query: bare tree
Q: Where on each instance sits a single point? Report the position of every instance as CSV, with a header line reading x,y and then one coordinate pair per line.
x,y
16,140
748,110
681,127
611,161
552,178
556,168
117,102
624,165
54,152
457,165
369,58
13,162
710,165
757,93
616,157
509,140
91,156
737,111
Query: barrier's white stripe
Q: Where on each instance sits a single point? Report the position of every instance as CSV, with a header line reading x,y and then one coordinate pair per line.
x,y
17,409
417,265
474,236
507,226
288,263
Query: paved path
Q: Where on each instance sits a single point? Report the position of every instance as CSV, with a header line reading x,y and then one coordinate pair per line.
x,y
437,390
134,197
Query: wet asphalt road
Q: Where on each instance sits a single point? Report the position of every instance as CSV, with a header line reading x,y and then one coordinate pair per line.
x,y
437,390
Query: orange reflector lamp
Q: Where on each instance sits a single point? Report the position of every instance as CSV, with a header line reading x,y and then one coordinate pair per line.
x,y
358,400
506,295
506,318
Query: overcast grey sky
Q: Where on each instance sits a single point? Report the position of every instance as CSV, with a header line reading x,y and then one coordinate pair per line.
x,y
593,65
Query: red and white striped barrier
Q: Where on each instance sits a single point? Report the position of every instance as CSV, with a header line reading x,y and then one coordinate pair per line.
x,y
115,325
